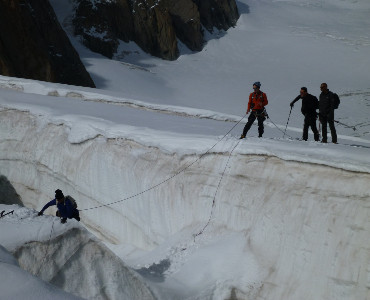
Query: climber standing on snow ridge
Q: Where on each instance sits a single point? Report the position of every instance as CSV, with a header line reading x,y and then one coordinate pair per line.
x,y
326,113
67,207
309,106
257,102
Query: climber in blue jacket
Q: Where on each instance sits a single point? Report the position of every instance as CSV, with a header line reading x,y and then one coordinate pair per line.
x,y
67,207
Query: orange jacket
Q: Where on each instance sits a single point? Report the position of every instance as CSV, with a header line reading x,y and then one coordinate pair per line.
x,y
257,100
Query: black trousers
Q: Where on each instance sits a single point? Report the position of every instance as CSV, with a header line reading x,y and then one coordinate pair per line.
x,y
76,215
259,115
310,121
324,123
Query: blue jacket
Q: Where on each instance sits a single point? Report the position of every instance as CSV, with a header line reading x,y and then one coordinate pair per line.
x,y
66,209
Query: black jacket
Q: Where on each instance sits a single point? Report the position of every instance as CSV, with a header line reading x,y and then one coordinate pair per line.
x,y
326,104
309,104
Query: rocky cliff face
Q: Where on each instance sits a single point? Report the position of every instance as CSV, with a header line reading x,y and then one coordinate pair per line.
x,y
217,13
33,45
155,25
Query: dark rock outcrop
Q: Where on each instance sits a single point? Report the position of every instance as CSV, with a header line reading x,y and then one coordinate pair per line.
x,y
221,14
33,45
8,194
101,24
186,21
155,25
153,30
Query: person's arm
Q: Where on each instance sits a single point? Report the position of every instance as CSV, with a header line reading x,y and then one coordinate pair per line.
x,y
331,107
295,100
51,203
265,101
249,103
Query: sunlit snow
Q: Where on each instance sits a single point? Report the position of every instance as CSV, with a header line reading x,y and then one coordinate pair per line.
x,y
173,205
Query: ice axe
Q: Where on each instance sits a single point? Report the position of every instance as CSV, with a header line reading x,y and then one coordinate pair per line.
x,y
3,214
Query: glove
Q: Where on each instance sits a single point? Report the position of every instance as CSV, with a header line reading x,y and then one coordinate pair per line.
x,y
291,104
40,213
64,220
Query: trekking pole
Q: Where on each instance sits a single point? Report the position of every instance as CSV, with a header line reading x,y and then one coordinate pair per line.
x,y
348,126
287,121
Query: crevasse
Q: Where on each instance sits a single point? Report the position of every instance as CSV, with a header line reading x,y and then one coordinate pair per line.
x,y
303,228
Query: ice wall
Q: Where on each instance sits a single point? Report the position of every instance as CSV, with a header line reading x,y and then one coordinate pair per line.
x,y
306,226
19,284
77,263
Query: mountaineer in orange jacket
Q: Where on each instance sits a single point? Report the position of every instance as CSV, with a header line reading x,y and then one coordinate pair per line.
x,y
257,102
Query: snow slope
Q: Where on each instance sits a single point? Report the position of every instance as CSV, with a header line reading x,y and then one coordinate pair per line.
x,y
65,255
161,178
16,283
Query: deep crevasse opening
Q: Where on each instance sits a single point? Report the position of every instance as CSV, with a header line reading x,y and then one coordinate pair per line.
x,y
295,228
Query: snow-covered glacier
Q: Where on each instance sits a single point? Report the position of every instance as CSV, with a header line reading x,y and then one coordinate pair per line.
x,y
261,223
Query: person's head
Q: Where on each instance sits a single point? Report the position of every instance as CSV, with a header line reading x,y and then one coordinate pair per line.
x,y
59,195
303,91
324,87
256,86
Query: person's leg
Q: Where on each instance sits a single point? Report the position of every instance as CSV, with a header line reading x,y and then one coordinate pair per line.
x,y
313,127
76,215
261,128
324,125
306,124
249,124
333,131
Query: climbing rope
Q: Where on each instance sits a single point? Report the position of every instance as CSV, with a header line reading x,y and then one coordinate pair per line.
x,y
268,117
169,178
214,197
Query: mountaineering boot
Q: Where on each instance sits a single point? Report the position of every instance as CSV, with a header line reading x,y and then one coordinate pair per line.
x,y
242,137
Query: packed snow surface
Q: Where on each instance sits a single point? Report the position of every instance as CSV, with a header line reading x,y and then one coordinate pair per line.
x,y
187,209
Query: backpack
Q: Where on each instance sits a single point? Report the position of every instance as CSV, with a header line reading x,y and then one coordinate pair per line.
x,y
73,201
336,100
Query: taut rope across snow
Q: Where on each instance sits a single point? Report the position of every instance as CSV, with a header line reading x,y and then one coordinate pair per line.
x,y
157,185
285,134
214,197
169,178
